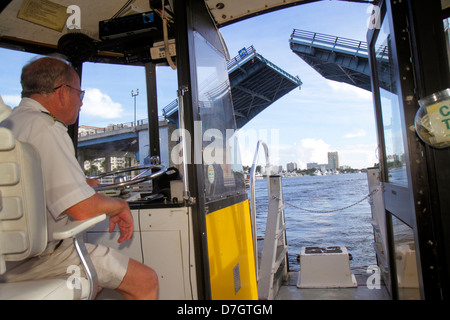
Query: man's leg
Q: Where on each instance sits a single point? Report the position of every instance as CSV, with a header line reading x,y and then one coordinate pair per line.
x,y
140,282
115,271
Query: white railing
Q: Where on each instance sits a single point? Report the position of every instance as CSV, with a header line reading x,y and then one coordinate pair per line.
x,y
253,195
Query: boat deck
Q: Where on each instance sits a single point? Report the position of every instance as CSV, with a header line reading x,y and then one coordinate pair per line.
x,y
290,291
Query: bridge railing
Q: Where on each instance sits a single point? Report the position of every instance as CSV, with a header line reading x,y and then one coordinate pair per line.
x,y
329,42
170,108
84,131
244,54
250,52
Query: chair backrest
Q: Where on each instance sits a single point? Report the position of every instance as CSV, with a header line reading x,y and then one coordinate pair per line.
x,y
23,218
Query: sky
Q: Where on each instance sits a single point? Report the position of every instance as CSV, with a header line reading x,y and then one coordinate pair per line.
x,y
302,127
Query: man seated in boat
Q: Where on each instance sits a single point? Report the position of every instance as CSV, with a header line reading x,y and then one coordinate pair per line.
x,y
51,100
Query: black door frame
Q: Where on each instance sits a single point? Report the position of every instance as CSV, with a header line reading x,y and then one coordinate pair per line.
x,y
421,64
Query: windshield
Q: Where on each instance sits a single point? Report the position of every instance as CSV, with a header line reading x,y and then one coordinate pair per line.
x,y
113,122
221,159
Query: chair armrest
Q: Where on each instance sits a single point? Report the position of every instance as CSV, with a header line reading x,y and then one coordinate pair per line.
x,y
75,227
73,230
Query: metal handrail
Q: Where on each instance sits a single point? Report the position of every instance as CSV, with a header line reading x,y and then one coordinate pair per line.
x,y
330,42
114,127
253,196
249,52
170,108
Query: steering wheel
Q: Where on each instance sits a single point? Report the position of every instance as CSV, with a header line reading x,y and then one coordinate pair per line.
x,y
137,179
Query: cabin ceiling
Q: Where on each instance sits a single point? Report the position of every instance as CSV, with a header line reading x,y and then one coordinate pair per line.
x,y
38,25
230,11
16,28
12,26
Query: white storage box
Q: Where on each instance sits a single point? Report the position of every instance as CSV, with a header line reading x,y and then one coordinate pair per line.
x,y
325,267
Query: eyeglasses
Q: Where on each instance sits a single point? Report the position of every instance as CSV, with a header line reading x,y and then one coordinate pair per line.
x,y
80,91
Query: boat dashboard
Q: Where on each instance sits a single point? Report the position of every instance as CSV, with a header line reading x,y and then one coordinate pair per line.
x,y
143,187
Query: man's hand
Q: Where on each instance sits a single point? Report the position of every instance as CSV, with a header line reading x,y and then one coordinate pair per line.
x,y
124,220
92,182
118,211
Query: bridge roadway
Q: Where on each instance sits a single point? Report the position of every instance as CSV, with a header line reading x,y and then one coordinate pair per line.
x,y
340,59
255,84
335,58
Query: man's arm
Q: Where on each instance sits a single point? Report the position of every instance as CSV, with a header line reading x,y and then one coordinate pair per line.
x,y
118,211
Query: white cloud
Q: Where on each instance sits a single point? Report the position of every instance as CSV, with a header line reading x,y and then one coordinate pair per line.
x,y
347,90
356,134
11,100
303,152
248,140
99,104
358,156
311,150
95,103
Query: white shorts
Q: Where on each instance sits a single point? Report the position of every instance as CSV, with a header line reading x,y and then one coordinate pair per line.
x,y
109,264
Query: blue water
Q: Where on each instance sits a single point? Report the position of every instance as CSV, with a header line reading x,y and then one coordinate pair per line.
x,y
350,227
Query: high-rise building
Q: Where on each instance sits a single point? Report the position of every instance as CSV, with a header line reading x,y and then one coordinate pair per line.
x,y
291,166
333,161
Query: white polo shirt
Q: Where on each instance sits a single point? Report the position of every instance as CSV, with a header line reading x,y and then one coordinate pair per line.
x,y
65,181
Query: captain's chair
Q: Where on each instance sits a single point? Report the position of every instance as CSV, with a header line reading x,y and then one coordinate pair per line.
x,y
23,226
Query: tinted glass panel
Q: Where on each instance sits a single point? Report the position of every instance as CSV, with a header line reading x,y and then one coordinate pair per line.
x,y
220,151
395,152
